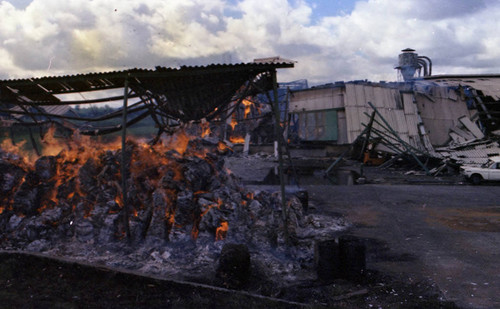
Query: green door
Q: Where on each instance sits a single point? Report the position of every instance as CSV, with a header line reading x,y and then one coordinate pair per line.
x,y
318,125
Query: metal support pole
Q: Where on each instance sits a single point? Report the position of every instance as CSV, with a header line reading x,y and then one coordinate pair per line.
x,y
400,140
33,143
329,169
394,137
12,136
124,159
279,139
367,137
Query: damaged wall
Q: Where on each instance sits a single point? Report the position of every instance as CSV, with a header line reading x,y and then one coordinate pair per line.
x,y
398,109
440,107
423,113
317,99
321,113
453,117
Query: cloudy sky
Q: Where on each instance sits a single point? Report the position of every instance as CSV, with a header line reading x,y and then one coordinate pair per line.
x,y
331,40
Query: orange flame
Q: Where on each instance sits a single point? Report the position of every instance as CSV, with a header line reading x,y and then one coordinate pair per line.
x,y
8,146
237,139
52,145
118,201
205,126
148,161
248,107
222,147
180,142
234,122
221,232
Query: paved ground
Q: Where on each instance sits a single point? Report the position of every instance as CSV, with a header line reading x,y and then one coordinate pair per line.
x,y
447,233
416,227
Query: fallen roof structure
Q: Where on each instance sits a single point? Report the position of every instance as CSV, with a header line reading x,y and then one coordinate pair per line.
x,y
166,94
184,94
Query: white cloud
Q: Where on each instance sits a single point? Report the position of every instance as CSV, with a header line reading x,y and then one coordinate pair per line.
x,y
95,35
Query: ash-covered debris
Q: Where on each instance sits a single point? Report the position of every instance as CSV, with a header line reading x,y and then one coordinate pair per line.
x,y
184,207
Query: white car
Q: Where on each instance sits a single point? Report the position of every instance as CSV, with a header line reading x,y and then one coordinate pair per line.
x,y
489,171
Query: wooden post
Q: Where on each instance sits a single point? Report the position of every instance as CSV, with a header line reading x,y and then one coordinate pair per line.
x,y
279,139
124,159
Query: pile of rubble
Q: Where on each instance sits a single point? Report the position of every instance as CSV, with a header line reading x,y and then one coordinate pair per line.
x,y
469,145
183,206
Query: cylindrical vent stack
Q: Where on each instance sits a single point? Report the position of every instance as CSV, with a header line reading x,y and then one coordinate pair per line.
x,y
408,63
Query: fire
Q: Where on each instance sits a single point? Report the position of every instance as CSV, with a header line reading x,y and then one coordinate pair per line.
x,y
221,232
234,122
205,126
52,145
222,147
237,139
118,201
248,107
8,146
151,169
180,141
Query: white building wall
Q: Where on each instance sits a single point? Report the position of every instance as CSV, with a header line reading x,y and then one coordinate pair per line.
x,y
321,99
440,108
398,110
316,99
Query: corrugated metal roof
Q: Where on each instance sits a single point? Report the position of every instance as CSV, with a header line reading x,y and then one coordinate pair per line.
x,y
476,154
187,93
59,110
489,84
140,71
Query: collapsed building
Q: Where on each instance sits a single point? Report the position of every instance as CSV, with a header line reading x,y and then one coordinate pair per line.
x,y
451,117
170,201
178,206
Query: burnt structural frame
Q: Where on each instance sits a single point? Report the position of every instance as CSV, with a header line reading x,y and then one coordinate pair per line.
x,y
165,93
178,94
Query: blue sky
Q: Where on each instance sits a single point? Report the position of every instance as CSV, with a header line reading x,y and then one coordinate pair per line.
x,y
330,40
331,7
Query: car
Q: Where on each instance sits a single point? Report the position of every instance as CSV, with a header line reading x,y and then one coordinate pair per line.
x,y
490,171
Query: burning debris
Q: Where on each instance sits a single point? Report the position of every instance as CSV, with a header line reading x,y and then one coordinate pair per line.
x,y
184,206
